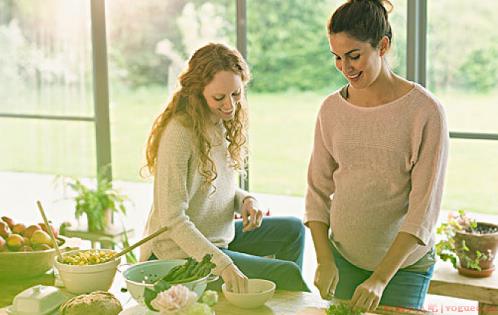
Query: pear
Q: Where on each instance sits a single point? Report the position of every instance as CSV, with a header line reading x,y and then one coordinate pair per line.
x,y
40,237
41,247
15,241
18,228
30,229
25,248
4,230
44,228
3,245
9,221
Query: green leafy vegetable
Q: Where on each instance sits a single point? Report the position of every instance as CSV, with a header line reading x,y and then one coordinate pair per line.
x,y
341,309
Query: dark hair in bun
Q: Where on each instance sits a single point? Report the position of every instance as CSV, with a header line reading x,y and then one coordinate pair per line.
x,y
365,20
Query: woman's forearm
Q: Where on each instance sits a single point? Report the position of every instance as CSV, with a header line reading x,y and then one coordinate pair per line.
x,y
403,245
319,233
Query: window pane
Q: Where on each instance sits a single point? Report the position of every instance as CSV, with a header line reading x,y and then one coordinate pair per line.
x,y
293,71
45,55
463,62
148,45
45,146
472,176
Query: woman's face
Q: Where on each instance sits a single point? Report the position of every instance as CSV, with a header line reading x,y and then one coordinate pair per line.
x,y
223,94
358,61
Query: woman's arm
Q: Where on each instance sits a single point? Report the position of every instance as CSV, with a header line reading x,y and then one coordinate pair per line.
x,y
326,275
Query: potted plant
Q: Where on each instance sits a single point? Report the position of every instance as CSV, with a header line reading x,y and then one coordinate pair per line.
x,y
468,244
98,203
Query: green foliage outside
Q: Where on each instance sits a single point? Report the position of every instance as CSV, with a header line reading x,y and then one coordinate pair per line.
x,y
48,70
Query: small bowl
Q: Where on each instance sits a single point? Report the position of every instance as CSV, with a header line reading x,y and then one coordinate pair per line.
x,y
260,291
80,279
143,275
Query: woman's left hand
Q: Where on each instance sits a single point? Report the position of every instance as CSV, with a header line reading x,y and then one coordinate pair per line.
x,y
251,216
367,295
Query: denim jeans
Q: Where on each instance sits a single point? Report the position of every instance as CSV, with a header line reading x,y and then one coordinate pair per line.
x,y
406,289
280,237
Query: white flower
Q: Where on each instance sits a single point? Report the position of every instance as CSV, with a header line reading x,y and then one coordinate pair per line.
x,y
174,300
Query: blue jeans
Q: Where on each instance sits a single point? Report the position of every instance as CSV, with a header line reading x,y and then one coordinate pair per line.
x,y
406,289
281,237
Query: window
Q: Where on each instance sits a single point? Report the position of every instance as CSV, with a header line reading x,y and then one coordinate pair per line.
x,y
46,60
463,73
149,43
292,72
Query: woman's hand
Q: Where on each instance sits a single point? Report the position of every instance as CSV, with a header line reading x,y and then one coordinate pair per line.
x,y
367,295
234,279
251,216
326,279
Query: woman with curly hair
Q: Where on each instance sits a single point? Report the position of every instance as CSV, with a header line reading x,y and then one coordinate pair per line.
x,y
194,151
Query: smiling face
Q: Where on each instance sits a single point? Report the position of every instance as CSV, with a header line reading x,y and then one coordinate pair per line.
x,y
358,61
223,94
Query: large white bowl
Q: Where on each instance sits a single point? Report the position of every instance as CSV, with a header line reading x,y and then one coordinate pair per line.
x,y
80,279
259,292
143,275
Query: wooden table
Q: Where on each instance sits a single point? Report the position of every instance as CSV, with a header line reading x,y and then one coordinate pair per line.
x,y
446,281
283,302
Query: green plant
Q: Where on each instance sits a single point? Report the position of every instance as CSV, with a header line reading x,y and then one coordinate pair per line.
x,y
94,202
449,249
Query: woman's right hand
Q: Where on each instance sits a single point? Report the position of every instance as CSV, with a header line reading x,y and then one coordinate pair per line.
x,y
326,279
234,279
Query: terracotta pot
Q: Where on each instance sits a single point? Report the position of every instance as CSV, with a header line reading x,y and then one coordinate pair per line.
x,y
484,243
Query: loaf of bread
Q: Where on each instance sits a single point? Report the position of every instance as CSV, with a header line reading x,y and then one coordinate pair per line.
x,y
95,303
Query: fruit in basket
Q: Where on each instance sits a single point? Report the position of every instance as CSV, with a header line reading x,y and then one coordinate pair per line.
x,y
18,228
40,237
3,245
45,229
9,221
15,242
31,229
26,248
4,230
41,247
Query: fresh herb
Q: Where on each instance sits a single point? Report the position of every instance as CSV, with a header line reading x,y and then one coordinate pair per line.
x,y
341,309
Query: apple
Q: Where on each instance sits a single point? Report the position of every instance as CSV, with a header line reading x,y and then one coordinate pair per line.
x,y
18,228
27,241
3,245
44,228
40,237
9,221
30,229
4,229
15,241
25,248
41,247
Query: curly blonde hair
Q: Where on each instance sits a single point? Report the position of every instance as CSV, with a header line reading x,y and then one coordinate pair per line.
x,y
189,104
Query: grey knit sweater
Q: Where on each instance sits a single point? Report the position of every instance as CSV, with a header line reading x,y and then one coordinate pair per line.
x,y
199,217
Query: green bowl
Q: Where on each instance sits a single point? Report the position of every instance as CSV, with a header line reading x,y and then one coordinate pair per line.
x,y
143,275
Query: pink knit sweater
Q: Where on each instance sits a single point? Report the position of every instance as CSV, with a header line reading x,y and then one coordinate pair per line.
x,y
377,171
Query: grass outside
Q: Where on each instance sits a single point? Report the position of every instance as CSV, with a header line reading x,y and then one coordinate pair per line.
x,y
281,129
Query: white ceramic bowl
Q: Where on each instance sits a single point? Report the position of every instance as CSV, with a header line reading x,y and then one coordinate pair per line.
x,y
87,278
259,292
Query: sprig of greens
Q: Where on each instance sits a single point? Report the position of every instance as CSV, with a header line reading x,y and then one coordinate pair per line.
x,y
341,309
